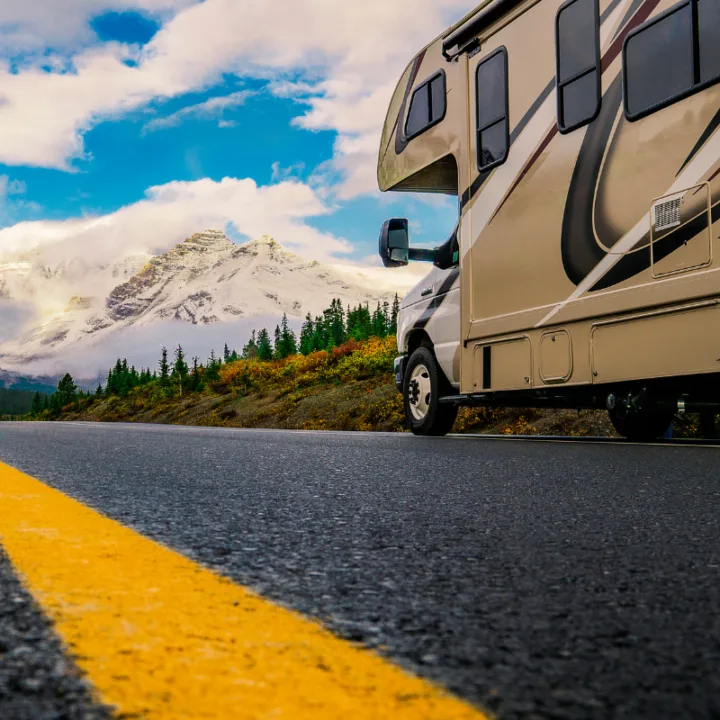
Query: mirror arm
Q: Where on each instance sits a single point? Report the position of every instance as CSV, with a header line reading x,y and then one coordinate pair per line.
x,y
421,255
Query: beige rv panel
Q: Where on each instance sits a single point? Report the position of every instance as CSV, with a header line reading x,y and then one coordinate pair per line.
x,y
655,344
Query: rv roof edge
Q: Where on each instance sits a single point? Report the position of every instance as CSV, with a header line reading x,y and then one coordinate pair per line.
x,y
484,16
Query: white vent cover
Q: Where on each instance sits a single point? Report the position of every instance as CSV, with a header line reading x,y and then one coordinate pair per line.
x,y
666,214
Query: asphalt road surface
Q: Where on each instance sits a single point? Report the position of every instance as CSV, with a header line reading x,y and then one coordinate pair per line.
x,y
536,580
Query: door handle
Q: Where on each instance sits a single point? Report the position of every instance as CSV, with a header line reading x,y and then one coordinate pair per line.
x,y
426,292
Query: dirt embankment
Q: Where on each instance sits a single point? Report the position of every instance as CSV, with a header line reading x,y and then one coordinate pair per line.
x,y
364,405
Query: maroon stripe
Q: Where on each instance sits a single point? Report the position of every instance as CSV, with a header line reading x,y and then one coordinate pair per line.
x,y
638,18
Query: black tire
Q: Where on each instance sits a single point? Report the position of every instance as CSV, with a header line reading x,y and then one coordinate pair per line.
x,y
643,425
426,415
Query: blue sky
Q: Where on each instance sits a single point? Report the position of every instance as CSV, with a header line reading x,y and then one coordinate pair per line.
x,y
107,103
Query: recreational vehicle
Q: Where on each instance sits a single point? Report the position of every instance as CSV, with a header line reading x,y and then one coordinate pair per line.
x,y
582,141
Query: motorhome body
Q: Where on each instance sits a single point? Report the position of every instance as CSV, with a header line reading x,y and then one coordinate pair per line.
x,y
582,140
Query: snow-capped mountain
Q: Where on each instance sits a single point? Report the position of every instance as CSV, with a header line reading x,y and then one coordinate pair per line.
x,y
203,281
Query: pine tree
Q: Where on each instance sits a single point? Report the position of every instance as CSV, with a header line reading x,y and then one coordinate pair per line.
x,y
99,391
394,315
360,323
335,320
286,344
212,367
378,323
306,335
180,368
320,335
66,392
386,318
264,347
46,403
276,343
226,353
164,368
195,379
36,406
250,349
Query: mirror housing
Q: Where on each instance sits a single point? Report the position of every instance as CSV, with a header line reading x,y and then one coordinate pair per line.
x,y
395,243
395,249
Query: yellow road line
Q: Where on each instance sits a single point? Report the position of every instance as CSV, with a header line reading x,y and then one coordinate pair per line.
x,y
162,637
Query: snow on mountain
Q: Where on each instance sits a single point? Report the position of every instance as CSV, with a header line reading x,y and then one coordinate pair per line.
x,y
204,281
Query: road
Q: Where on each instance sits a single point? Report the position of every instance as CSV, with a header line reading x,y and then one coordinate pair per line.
x,y
533,580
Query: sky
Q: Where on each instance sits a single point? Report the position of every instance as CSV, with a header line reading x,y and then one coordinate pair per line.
x,y
128,125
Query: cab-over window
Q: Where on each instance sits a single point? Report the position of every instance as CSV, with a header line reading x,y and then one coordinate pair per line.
x,y
427,106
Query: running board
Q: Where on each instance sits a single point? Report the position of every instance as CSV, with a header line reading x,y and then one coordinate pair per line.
x,y
524,401
566,402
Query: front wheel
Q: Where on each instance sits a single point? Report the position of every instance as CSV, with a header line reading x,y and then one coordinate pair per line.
x,y
422,387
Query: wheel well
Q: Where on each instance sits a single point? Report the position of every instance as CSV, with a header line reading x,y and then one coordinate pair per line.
x,y
419,338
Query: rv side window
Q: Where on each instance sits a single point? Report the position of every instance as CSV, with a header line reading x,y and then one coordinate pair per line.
x,y
671,57
493,134
427,107
577,43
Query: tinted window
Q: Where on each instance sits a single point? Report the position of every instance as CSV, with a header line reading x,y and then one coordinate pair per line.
x,y
493,143
427,106
578,58
579,100
493,138
491,89
419,115
659,61
709,39
437,98
576,38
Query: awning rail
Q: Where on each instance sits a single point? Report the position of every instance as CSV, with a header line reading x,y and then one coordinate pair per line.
x,y
460,38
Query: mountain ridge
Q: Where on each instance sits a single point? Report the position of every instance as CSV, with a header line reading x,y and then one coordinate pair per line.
x,y
205,280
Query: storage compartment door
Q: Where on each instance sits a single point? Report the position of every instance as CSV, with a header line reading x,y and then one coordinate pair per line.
x,y
555,357
503,365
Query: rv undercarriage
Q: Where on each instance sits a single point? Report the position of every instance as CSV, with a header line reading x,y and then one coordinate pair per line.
x,y
639,410
696,393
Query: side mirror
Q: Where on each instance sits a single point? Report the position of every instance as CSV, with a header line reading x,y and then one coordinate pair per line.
x,y
395,243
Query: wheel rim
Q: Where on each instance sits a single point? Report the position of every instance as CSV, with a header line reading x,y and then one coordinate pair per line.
x,y
419,390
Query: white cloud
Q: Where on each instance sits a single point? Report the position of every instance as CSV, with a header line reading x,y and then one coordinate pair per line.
x,y
211,108
341,60
174,211
283,173
63,24
11,187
